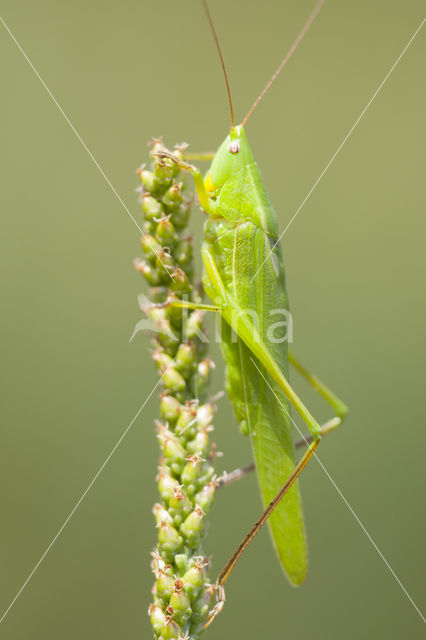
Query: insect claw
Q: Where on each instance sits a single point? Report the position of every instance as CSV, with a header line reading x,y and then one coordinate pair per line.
x,y
213,613
220,601
165,154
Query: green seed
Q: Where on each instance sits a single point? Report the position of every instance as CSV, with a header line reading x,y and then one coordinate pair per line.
x,y
150,246
180,283
193,526
193,580
186,357
165,585
166,484
180,506
149,272
148,179
173,380
158,619
205,497
173,197
161,359
205,414
172,448
192,471
151,207
170,408
165,231
169,539
193,327
170,630
180,603
161,514
200,444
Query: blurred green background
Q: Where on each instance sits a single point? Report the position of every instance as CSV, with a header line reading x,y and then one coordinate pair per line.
x,y
124,72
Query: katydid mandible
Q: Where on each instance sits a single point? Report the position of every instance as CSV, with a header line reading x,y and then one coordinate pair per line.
x,y
244,278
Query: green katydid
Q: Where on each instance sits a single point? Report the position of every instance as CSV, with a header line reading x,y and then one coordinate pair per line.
x,y
244,278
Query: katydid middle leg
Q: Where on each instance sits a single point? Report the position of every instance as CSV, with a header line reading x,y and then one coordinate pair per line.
x,y
186,304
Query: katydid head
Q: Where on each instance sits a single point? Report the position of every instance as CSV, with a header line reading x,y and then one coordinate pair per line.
x,y
233,154
234,181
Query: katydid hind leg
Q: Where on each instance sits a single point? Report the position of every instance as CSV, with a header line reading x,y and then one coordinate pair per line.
x,y
329,396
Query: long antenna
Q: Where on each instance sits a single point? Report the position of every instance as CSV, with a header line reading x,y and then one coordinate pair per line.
x,y
216,39
286,58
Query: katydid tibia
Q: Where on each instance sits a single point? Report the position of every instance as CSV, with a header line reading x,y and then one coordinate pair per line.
x,y
244,278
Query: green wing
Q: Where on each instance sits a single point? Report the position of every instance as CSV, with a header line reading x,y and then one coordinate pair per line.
x,y
255,405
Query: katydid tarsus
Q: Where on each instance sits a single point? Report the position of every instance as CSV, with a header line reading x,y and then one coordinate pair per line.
x,y
244,278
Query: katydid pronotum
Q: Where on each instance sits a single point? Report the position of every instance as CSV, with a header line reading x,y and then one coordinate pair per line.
x,y
244,278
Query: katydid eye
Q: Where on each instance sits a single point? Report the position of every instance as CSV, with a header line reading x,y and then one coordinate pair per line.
x,y
234,147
